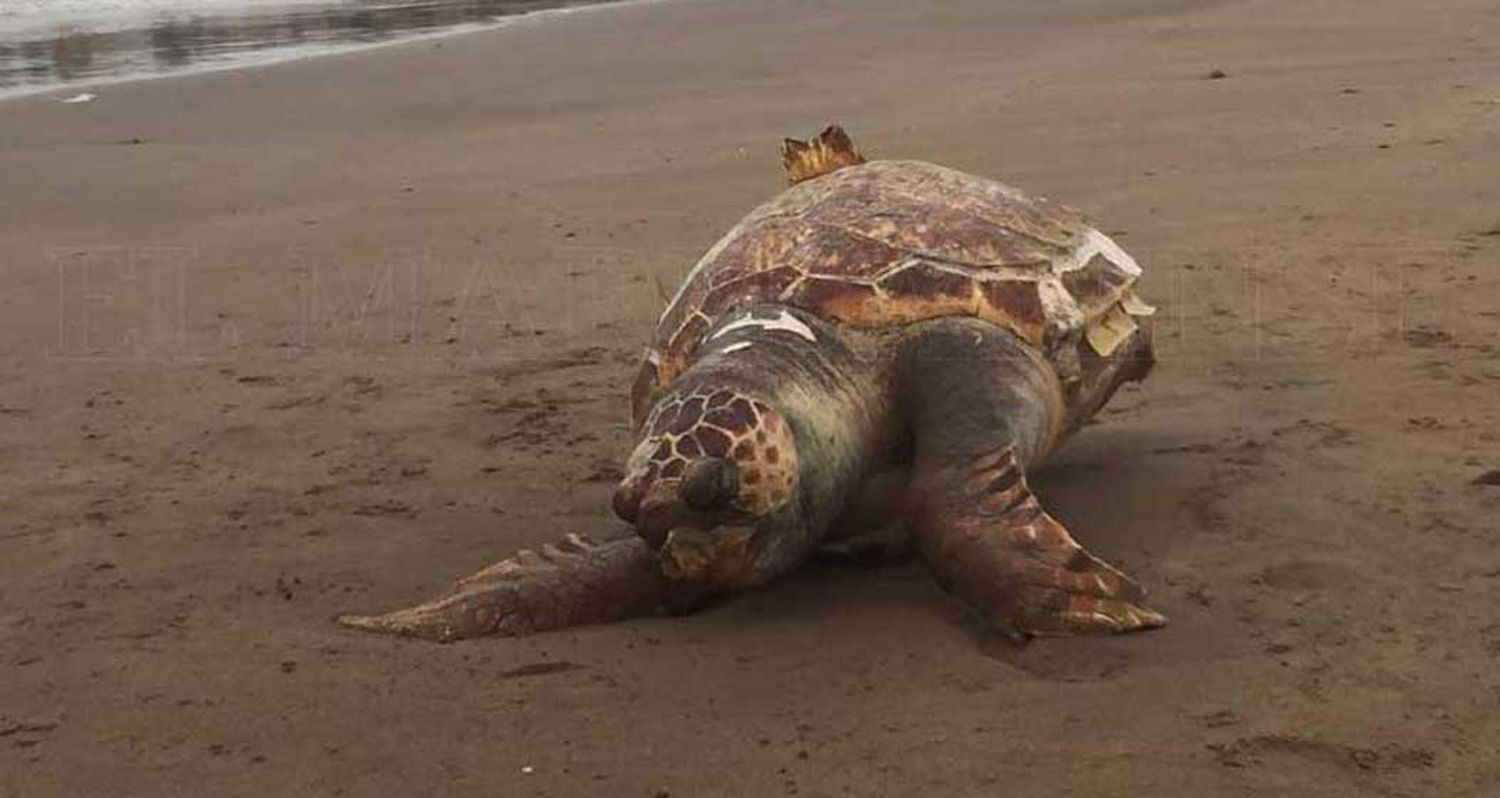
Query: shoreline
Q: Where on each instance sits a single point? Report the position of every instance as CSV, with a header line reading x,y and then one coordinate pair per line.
x,y
294,53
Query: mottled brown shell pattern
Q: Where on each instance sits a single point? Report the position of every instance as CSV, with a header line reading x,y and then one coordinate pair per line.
x,y
893,242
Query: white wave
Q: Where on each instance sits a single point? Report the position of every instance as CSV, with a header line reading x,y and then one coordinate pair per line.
x,y
39,16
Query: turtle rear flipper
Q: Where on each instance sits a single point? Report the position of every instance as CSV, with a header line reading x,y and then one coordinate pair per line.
x,y
991,543
570,583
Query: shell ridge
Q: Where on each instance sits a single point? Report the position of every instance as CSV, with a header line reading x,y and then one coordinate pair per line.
x,y
999,229
841,246
1008,194
691,277
910,251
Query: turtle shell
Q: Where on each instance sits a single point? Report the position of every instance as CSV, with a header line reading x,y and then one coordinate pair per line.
x,y
888,243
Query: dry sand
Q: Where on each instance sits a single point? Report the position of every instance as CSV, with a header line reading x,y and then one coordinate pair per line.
x,y
292,341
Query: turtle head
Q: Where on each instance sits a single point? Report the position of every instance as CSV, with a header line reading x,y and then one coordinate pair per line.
x,y
711,485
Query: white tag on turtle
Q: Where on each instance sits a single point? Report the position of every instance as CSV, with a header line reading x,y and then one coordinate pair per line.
x,y
1136,306
1106,332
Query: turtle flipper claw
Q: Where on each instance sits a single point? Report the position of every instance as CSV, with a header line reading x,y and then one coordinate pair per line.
x,y
456,615
1106,616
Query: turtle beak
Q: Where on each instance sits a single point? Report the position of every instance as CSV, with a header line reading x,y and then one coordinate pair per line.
x,y
720,555
659,512
699,498
627,499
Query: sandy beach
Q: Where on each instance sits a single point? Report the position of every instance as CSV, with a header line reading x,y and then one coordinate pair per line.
x,y
287,342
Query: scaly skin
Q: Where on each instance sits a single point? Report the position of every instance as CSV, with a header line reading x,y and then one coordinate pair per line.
x,y
990,543
796,418
984,407
572,582
895,318
967,407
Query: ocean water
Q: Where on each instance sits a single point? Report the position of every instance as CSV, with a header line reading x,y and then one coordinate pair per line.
x,y
18,16
47,44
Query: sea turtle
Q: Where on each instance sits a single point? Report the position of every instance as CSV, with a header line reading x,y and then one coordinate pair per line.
x,y
885,345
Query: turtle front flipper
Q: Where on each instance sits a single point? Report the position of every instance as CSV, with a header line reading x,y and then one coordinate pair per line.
x,y
570,583
991,544
982,405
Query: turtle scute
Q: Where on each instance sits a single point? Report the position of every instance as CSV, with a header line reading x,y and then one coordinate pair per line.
x,y
883,243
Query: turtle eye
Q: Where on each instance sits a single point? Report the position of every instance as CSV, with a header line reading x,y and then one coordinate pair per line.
x,y
709,483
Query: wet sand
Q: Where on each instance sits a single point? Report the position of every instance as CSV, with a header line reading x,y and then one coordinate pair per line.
x,y
314,338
